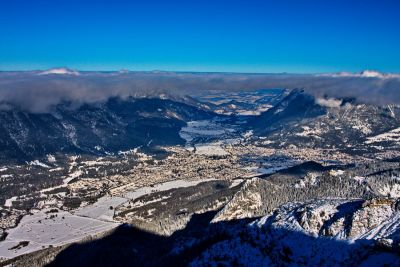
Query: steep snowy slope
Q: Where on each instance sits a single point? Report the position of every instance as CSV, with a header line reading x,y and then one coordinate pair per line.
x,y
332,232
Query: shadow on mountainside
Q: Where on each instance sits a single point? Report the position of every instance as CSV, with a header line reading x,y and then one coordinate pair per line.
x,y
130,246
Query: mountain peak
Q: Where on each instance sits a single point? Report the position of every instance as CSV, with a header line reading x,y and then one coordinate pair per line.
x,y
60,71
372,74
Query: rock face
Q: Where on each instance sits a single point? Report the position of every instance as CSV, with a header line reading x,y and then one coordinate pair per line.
x,y
341,219
96,128
369,221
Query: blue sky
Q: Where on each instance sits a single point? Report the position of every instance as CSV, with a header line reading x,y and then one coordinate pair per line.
x,y
193,35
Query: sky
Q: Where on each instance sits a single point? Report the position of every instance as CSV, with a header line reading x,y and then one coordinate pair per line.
x,y
298,36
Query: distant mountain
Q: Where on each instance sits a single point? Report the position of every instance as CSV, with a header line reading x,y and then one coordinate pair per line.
x,y
295,107
64,71
95,128
302,120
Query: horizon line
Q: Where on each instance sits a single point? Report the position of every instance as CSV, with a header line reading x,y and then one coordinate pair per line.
x,y
127,70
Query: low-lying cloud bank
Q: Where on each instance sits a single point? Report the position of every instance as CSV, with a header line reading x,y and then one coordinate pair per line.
x,y
38,91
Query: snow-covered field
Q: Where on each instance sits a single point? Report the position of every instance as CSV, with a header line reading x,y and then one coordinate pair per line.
x,y
43,230
103,209
207,129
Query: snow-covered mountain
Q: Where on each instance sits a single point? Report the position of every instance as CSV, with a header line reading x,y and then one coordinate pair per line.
x,y
94,128
60,71
303,120
332,232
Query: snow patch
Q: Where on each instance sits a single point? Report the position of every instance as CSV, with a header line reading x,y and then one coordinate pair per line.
x,y
38,163
393,135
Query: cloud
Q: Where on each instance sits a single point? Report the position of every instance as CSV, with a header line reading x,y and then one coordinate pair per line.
x,y
330,102
37,93
363,74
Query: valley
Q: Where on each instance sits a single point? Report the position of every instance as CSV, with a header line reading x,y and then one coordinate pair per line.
x,y
252,157
199,133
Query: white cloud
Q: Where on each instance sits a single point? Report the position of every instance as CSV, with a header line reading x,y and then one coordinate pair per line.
x,y
330,102
363,74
